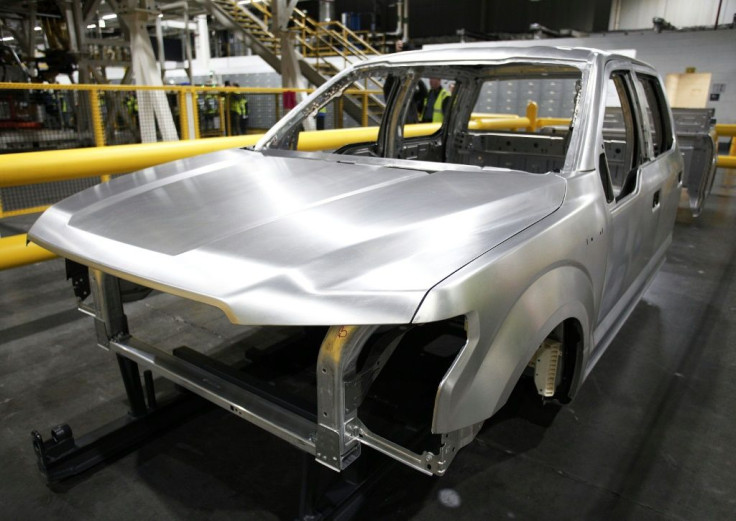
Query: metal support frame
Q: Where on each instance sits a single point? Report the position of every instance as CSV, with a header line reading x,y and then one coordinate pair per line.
x,y
62,455
335,448
334,439
340,432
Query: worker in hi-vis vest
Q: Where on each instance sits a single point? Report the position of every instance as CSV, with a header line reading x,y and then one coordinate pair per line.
x,y
321,117
241,108
436,102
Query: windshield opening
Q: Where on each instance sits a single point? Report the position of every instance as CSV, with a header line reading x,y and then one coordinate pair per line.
x,y
514,115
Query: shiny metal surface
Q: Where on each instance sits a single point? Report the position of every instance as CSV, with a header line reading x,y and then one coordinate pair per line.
x,y
277,237
274,238
697,140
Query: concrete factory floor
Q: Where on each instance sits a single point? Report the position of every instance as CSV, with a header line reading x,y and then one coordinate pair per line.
x,y
650,435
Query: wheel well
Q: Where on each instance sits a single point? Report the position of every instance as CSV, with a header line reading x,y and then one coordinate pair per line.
x,y
564,345
570,333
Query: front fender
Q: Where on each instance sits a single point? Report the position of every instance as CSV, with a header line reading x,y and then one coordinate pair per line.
x,y
499,348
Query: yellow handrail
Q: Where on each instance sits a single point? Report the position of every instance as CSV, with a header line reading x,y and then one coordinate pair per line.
x,y
726,161
16,253
726,129
57,165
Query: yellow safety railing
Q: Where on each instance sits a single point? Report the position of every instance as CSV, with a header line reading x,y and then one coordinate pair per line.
x,y
727,130
15,251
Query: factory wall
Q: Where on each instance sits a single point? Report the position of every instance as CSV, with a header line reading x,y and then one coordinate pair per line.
x,y
429,18
671,52
638,14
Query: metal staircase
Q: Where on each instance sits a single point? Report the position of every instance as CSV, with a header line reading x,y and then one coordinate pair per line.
x,y
325,48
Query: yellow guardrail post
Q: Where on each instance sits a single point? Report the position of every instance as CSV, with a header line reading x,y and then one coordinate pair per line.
x,y
195,112
364,118
726,130
183,115
98,128
531,113
223,128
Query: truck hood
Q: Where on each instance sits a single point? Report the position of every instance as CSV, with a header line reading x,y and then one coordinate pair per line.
x,y
287,238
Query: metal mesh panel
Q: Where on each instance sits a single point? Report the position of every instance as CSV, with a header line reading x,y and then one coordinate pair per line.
x,y
221,113
44,119
264,110
32,196
162,126
119,111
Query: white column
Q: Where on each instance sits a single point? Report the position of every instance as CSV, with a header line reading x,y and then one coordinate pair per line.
x,y
153,107
202,43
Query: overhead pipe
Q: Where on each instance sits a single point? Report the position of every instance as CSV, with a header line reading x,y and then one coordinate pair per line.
x,y
326,10
399,20
405,21
160,42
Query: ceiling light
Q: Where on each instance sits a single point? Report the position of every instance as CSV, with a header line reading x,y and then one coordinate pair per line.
x,y
91,26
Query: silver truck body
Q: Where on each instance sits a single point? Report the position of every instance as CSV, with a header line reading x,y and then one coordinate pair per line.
x,y
376,238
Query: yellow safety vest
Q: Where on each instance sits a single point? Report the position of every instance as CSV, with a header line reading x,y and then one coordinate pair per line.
x,y
437,115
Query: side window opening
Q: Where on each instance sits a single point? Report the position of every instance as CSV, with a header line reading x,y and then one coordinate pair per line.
x,y
621,137
655,112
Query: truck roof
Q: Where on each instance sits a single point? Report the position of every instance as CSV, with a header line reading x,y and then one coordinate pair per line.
x,y
478,53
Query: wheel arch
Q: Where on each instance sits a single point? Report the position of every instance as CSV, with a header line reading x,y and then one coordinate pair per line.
x,y
486,370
